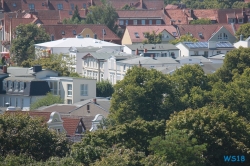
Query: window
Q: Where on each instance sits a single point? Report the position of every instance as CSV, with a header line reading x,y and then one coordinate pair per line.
x,y
158,22
225,36
69,101
196,53
142,22
231,20
14,4
60,6
121,22
124,67
74,32
134,22
31,6
240,20
84,6
70,12
10,84
218,52
4,85
72,6
87,107
69,88
21,87
63,33
137,35
165,36
87,35
190,59
53,87
16,86
206,53
174,34
126,22
150,22
172,54
222,36
52,37
84,90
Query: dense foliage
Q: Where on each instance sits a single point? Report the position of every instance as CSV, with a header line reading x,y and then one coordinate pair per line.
x,y
243,30
201,21
152,38
25,36
104,89
184,38
47,100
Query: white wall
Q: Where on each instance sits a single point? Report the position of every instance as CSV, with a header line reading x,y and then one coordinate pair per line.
x,y
183,50
190,61
244,44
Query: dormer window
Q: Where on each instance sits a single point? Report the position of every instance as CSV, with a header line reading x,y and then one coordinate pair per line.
x,y
21,87
240,20
10,84
70,12
14,4
222,36
60,6
137,35
31,6
74,32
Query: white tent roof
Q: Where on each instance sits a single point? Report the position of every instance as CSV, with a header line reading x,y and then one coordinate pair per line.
x,y
76,42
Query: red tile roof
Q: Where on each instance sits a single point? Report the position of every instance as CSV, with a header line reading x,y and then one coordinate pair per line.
x,y
56,30
154,4
70,125
66,14
12,5
142,29
206,30
211,14
17,21
178,16
223,13
169,7
140,13
39,5
44,115
47,14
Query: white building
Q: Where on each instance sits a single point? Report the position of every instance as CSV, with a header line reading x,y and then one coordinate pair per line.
x,y
158,50
192,60
206,49
62,46
243,43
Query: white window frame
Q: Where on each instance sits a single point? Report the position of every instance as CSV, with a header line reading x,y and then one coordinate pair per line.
x,y
84,89
69,89
134,22
158,22
60,6
121,22
143,22
150,22
69,101
126,22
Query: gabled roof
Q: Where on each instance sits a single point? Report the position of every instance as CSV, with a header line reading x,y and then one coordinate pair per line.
x,y
98,55
140,13
56,30
13,5
39,5
148,61
201,58
60,108
203,32
224,14
177,16
211,14
169,7
70,124
142,29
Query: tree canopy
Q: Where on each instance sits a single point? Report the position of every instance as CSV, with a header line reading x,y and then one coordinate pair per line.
x,y
26,35
75,19
59,63
140,94
201,21
243,30
22,134
47,100
104,88
152,38
223,132
184,38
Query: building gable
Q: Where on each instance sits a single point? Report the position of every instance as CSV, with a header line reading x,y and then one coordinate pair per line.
x,y
126,39
86,32
223,35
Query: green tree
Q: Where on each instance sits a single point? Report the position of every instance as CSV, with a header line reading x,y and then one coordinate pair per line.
x,y
178,148
243,30
76,14
152,38
103,14
236,61
104,89
224,132
140,94
22,134
201,21
75,19
127,7
184,38
60,63
26,35
238,5
47,100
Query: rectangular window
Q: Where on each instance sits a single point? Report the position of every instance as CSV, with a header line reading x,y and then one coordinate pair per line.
x,y
69,89
10,84
16,105
52,37
126,22
21,103
134,22
121,22
60,6
31,6
87,107
142,22
150,22
218,52
87,35
14,4
69,101
158,22
84,90
84,6
72,6
206,53
4,85
196,53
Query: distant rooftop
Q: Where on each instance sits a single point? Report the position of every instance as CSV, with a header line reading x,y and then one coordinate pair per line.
x,y
224,44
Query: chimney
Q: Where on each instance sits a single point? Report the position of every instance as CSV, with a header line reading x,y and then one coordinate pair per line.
x,y
94,100
241,37
4,69
145,50
141,3
137,52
